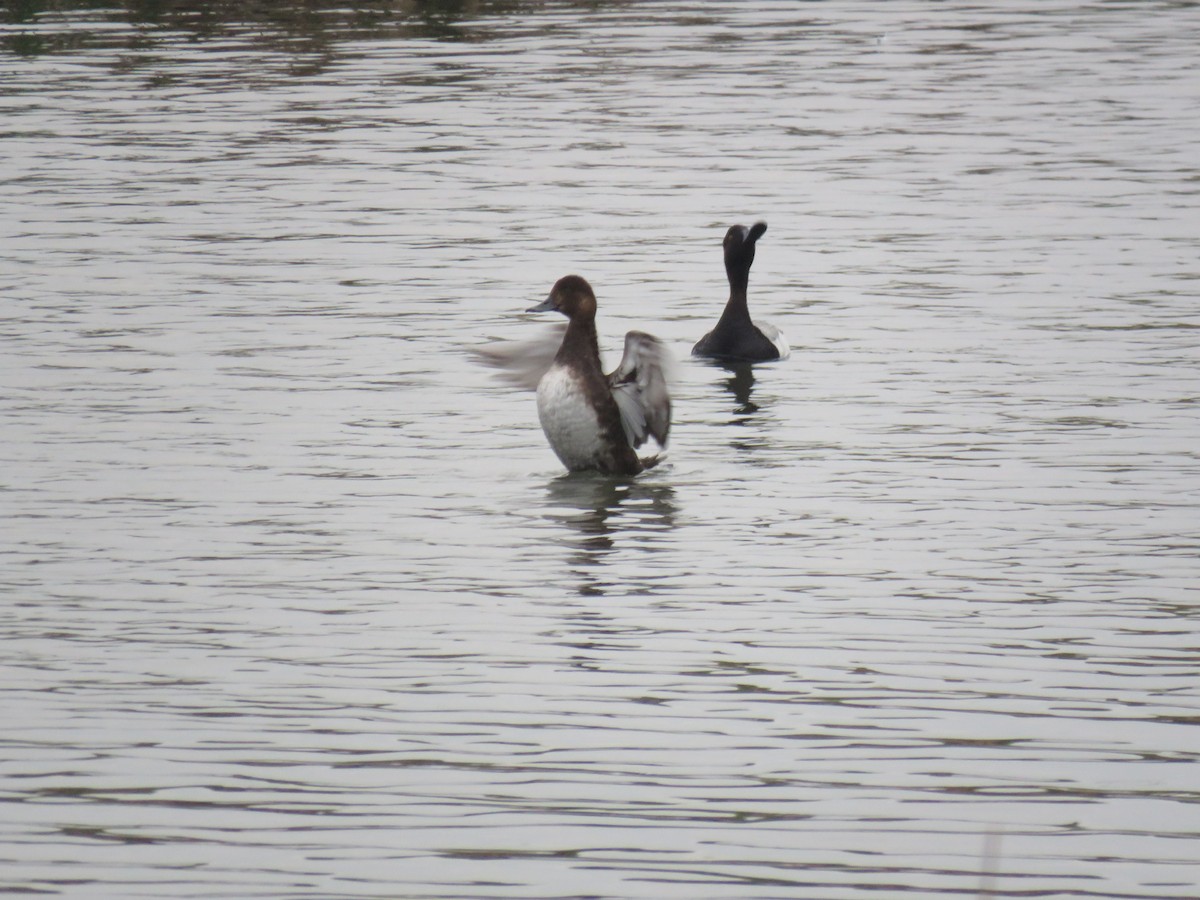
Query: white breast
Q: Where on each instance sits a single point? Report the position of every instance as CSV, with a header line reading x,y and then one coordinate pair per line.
x,y
570,423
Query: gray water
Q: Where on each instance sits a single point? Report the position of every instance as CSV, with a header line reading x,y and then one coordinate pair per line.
x,y
297,602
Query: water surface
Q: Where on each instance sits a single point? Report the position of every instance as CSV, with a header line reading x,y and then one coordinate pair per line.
x,y
298,603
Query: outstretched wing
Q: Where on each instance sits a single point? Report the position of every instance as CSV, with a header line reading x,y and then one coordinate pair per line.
x,y
639,385
523,363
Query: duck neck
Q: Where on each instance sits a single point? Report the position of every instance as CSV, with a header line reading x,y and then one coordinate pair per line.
x,y
736,309
580,341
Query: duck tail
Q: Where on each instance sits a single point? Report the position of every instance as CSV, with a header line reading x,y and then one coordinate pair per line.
x,y
649,462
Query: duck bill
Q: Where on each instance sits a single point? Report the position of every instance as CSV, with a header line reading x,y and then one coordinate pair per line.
x,y
545,306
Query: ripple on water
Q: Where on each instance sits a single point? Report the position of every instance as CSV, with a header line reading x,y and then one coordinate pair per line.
x,y
301,605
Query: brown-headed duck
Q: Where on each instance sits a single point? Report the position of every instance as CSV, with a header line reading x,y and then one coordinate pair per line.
x,y
593,421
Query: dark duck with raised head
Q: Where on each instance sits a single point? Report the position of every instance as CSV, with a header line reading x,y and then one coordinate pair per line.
x,y
736,337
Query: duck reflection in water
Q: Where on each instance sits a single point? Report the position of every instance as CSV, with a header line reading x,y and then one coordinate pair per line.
x,y
607,515
752,423
739,381
741,385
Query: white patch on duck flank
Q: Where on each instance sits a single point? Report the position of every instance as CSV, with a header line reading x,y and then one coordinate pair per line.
x,y
570,422
775,336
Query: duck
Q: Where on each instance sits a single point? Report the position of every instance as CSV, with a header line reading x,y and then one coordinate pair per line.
x,y
736,337
593,421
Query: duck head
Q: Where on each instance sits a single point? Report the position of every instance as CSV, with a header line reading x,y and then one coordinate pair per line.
x,y
572,296
739,246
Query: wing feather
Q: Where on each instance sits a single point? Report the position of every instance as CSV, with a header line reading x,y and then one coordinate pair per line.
x,y
639,385
523,363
